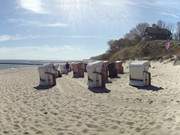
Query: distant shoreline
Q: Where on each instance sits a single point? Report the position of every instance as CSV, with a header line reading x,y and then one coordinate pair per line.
x,y
20,64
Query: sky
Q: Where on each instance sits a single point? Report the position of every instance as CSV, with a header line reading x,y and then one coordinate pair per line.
x,y
73,29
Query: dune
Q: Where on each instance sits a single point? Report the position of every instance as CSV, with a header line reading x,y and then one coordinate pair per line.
x,y
70,108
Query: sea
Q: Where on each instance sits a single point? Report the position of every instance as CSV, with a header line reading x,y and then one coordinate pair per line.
x,y
13,64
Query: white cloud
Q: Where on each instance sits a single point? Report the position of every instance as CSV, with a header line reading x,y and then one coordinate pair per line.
x,y
83,36
7,38
35,6
57,24
170,15
118,3
4,38
41,24
76,12
23,22
44,52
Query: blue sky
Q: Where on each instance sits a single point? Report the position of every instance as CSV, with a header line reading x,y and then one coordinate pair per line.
x,y
73,29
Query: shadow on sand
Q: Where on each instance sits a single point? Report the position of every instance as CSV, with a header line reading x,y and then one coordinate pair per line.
x,y
117,77
109,81
149,88
43,87
100,90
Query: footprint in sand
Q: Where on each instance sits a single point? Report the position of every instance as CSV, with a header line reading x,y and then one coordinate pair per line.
x,y
45,113
138,129
152,123
16,126
38,125
54,113
39,132
70,134
76,116
121,131
91,126
26,133
5,132
130,123
61,133
114,127
36,121
85,131
50,124
79,124
61,119
95,119
66,127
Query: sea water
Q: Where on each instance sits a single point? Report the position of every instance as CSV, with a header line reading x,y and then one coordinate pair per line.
x,y
11,64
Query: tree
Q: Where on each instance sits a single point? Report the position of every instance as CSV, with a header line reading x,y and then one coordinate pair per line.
x,y
113,46
170,27
175,36
132,34
157,33
137,32
116,45
161,24
140,28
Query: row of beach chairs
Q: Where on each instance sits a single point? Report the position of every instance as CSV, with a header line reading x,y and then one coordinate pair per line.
x,y
98,73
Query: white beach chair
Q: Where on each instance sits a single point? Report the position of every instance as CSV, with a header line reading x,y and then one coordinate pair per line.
x,y
96,77
63,69
139,75
47,75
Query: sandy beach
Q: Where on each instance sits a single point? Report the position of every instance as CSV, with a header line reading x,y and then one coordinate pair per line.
x,y
70,108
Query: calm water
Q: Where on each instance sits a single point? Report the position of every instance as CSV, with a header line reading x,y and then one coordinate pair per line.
x,y
12,66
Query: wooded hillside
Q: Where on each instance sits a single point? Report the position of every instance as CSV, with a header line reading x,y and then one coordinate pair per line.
x,y
145,41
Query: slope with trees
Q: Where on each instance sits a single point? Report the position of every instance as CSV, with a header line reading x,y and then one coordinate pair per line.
x,y
145,41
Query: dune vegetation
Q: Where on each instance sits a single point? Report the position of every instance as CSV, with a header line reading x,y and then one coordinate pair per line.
x,y
145,41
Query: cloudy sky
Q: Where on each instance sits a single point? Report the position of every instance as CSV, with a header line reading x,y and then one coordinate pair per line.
x,y
73,29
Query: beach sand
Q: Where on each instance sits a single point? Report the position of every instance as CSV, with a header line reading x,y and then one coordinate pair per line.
x,y
70,108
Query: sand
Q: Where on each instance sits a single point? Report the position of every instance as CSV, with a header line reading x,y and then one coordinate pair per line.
x,y
70,108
